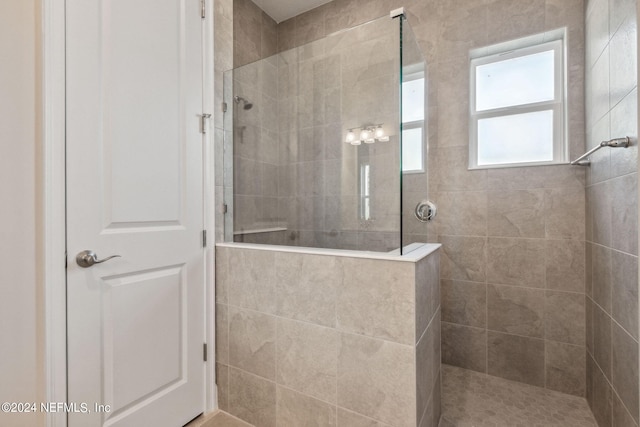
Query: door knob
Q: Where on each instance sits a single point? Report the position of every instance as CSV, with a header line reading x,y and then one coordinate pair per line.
x,y
86,259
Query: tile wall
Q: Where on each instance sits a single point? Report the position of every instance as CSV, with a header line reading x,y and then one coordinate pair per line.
x,y
308,339
612,213
254,33
513,257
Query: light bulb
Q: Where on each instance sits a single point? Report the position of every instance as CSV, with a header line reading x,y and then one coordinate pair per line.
x,y
350,136
379,132
365,134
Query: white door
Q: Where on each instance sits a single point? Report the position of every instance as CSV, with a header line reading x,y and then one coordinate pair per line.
x,y
134,189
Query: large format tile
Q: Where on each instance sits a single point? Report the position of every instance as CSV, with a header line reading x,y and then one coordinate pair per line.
x,y
621,416
564,317
601,395
517,213
516,358
307,359
624,69
351,419
602,340
222,383
625,368
624,219
252,398
624,304
251,280
464,303
625,123
536,177
565,265
453,173
516,310
463,28
517,262
601,199
564,213
565,368
511,20
222,333
464,346
601,276
307,286
222,275
295,409
428,361
376,378
252,342
463,258
427,291
377,299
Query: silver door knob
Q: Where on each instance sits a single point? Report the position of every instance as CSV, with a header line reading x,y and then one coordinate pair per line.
x,y
86,259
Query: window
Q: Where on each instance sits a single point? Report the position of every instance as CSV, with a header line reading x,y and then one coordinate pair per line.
x,y
413,121
517,108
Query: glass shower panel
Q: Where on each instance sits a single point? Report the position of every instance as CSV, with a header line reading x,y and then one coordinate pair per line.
x,y
314,156
414,134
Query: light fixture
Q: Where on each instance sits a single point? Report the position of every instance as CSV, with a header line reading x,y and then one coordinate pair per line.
x,y
368,134
350,136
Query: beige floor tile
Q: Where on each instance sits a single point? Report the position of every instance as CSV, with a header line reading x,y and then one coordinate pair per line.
x,y
473,399
218,419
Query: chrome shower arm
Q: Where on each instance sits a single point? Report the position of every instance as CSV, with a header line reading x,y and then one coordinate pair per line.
x,y
616,142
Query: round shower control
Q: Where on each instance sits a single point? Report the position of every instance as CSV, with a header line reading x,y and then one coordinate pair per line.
x,y
425,211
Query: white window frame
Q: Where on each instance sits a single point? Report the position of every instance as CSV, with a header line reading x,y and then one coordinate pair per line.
x,y
557,105
416,124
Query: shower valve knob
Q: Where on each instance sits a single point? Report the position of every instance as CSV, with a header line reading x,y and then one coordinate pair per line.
x,y
425,211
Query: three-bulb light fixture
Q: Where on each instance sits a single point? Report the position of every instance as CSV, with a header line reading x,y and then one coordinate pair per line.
x,y
367,134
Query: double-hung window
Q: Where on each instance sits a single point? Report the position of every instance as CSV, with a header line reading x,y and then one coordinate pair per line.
x,y
413,119
517,107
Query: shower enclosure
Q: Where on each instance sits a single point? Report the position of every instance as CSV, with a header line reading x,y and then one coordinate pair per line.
x,y
319,138
321,144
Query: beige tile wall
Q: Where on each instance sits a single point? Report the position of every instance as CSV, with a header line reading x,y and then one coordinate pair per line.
x,y
254,33
483,250
327,340
612,212
513,259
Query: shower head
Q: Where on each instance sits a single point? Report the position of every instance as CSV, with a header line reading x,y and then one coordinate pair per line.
x,y
246,104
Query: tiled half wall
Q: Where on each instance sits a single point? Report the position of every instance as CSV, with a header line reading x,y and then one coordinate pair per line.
x,y
309,339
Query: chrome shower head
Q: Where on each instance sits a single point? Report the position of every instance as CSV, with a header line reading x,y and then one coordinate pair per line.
x,y
246,104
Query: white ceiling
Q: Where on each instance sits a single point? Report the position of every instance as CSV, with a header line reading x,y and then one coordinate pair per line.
x,y
281,10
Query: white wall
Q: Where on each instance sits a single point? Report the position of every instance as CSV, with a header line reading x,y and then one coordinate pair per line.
x,y
20,331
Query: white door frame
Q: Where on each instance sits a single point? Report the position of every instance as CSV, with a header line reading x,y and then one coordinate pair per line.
x,y
52,42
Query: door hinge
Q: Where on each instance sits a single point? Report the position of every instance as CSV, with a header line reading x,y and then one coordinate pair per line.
x,y
224,107
203,8
204,352
204,122
225,209
204,238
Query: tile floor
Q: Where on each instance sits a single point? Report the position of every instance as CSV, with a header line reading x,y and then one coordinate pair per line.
x,y
472,399
217,419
